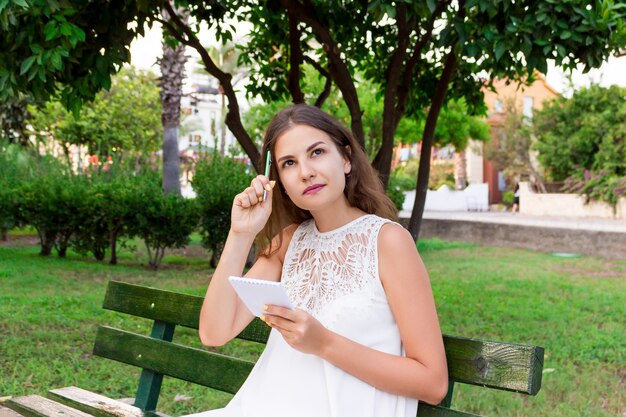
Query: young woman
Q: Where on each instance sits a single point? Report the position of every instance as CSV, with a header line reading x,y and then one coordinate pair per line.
x,y
364,339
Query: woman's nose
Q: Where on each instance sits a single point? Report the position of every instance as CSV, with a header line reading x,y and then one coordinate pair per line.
x,y
306,170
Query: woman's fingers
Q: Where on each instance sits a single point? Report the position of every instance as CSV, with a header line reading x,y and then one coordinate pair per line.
x,y
259,185
253,194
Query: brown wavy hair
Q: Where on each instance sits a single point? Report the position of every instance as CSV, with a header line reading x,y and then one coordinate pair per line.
x,y
363,187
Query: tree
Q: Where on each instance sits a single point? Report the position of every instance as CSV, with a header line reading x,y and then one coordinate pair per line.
x,y
511,151
586,131
420,53
172,75
124,120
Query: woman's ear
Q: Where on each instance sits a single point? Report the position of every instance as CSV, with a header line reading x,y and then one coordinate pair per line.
x,y
347,166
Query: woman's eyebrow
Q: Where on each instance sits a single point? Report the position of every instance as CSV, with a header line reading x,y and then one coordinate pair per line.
x,y
320,142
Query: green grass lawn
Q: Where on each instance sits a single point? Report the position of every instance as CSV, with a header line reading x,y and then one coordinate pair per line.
x,y
575,308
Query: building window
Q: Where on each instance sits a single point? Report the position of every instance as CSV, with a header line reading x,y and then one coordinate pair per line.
x,y
528,107
498,107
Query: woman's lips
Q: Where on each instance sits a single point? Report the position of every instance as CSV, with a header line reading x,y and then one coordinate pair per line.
x,y
313,189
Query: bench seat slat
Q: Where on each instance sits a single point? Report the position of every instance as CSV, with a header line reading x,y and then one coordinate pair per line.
x,y
427,410
7,412
94,404
38,406
189,364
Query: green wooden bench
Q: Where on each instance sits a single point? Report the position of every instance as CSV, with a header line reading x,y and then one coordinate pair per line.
x,y
497,365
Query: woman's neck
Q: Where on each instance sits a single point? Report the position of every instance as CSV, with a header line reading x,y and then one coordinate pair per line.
x,y
330,220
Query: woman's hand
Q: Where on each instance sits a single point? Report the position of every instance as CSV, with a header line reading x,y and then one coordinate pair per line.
x,y
249,212
299,329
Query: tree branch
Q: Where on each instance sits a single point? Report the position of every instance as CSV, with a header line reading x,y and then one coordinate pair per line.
x,y
338,69
382,161
295,59
404,86
329,82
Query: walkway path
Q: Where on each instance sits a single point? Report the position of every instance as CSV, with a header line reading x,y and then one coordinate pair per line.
x,y
595,224
591,236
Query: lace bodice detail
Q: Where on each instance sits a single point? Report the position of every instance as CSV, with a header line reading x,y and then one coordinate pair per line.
x,y
321,268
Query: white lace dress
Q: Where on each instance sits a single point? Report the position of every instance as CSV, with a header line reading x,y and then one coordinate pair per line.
x,y
334,277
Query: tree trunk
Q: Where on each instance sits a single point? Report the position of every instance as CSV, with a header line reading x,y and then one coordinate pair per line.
x,y
223,125
113,243
46,240
171,83
382,161
423,172
460,170
4,232
171,161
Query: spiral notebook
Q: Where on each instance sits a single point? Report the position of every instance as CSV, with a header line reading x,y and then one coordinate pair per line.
x,y
255,293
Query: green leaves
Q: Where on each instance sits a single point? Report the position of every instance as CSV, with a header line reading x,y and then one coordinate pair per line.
x,y
46,47
586,131
499,50
27,63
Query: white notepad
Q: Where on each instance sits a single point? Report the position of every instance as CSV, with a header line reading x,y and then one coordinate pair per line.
x,y
255,293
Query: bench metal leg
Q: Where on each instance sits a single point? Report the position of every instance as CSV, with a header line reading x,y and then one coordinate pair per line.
x,y
150,382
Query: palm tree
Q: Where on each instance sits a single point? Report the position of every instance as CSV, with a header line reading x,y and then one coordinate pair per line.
x,y
172,74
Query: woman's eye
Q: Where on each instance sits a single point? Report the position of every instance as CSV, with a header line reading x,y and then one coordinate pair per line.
x,y
287,163
318,151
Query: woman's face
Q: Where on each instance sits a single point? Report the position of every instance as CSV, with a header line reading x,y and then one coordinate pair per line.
x,y
311,168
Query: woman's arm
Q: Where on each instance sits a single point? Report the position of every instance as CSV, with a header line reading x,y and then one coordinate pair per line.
x,y
422,374
223,315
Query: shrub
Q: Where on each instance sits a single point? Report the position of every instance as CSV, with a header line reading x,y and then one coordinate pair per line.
x,y
395,191
161,221
586,131
92,229
217,180
166,222
49,204
600,186
441,174
8,209
17,165
508,198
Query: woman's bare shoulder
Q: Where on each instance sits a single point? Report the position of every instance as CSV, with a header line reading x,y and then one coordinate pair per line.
x,y
283,238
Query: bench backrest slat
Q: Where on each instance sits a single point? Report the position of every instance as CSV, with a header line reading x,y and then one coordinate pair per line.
x,y
506,366
189,364
168,307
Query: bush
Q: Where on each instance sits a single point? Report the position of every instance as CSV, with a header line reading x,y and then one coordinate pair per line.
x,y
508,198
586,131
17,165
92,229
395,192
441,174
600,186
166,222
50,205
216,181
8,209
